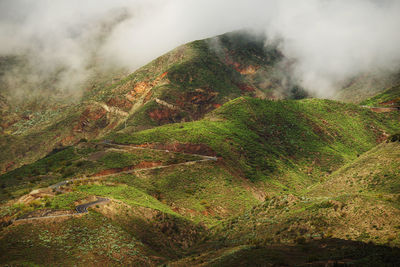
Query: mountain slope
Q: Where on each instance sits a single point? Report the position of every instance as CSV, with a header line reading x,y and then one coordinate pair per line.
x,y
267,139
365,86
182,85
203,164
272,155
388,98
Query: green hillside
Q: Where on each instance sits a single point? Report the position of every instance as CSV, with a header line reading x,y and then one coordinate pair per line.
x,y
210,155
287,143
355,206
266,190
388,98
182,85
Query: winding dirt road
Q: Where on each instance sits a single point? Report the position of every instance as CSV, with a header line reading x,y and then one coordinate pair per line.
x,y
83,207
80,209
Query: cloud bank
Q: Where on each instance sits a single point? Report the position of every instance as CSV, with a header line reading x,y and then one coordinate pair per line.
x,y
330,41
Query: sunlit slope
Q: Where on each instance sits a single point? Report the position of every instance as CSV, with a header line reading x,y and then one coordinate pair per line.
x,y
388,98
351,216
286,143
182,85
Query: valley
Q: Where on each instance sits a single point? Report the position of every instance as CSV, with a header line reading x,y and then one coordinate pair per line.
x,y
203,157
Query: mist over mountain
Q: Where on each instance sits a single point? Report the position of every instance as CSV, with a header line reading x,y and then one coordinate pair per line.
x,y
65,43
199,133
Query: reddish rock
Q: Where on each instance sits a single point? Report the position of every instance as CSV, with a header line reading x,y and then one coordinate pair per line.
x,y
120,103
246,88
9,166
147,164
90,114
164,74
164,115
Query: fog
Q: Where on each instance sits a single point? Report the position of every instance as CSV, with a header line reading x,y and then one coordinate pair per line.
x,y
329,41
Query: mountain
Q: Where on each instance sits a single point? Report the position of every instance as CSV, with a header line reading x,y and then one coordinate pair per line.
x,y
367,85
210,155
182,85
388,98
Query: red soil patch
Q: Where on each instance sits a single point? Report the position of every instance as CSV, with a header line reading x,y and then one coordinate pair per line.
x,y
69,140
247,70
120,102
200,96
164,115
107,172
9,166
244,70
391,102
113,125
246,88
217,105
164,74
142,87
382,110
138,90
147,164
88,115
148,96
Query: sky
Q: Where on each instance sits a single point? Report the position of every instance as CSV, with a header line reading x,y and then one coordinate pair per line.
x,y
330,40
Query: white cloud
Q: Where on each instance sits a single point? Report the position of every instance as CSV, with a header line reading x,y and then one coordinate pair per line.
x,y
330,40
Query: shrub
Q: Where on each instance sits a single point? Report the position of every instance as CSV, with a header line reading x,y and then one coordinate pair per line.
x,y
394,138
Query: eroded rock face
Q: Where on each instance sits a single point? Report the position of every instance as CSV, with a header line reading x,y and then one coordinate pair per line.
x,y
165,115
137,90
188,106
246,88
120,103
90,115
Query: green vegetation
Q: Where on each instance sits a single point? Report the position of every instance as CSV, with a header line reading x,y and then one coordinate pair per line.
x,y
204,191
263,139
389,97
295,182
127,194
70,162
374,174
92,239
43,166
66,201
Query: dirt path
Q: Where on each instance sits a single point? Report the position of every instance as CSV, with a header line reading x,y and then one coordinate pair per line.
x,y
382,109
81,209
133,147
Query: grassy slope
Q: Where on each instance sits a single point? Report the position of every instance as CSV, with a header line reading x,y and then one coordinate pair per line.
x,y
357,203
277,145
389,95
286,143
88,241
202,65
86,159
188,68
375,174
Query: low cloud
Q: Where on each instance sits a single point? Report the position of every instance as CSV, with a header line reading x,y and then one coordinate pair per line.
x,y
329,41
